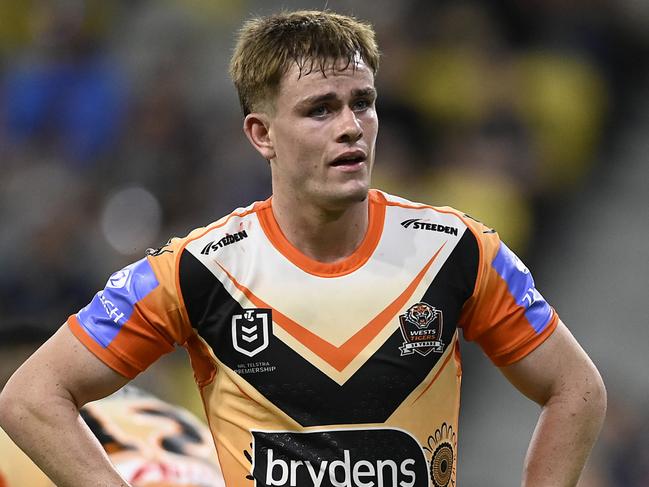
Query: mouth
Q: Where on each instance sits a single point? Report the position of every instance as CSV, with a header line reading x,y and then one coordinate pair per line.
x,y
349,159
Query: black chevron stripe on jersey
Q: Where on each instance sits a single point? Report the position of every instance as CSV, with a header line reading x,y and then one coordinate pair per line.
x,y
300,389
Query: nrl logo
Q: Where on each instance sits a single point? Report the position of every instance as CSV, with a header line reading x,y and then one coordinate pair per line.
x,y
421,327
250,331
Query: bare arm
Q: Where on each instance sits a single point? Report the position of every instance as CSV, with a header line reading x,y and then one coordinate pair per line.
x,y
561,378
39,409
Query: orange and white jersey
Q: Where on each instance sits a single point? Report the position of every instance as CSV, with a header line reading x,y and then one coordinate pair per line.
x,y
150,442
317,374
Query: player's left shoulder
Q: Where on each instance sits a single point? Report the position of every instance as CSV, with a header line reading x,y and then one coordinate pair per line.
x,y
422,216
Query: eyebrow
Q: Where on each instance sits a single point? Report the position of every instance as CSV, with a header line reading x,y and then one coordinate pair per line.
x,y
327,97
371,92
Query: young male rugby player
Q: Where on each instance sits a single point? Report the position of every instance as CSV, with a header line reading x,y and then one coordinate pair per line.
x,y
323,324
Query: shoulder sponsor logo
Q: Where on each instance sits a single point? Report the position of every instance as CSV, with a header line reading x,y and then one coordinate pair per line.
x,y
421,328
339,458
419,224
113,306
112,311
521,286
250,331
224,242
119,279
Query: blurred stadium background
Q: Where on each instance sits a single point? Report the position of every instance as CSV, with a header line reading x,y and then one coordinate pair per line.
x,y
119,128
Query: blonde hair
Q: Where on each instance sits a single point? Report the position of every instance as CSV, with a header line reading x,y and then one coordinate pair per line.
x,y
268,46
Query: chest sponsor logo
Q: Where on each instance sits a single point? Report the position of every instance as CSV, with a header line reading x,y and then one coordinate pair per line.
x,y
421,328
224,242
418,224
339,458
250,331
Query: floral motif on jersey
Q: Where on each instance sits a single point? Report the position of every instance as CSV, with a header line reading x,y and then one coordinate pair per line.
x,y
441,456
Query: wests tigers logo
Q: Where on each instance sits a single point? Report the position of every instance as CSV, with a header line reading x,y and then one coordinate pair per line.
x,y
421,327
421,315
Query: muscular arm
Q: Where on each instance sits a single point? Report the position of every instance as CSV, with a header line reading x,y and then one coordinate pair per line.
x,y
561,378
39,409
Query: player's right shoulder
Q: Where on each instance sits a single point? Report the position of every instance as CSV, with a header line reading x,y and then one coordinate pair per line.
x,y
227,223
230,223
165,257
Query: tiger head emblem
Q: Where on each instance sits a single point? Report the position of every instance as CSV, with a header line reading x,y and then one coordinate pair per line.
x,y
421,314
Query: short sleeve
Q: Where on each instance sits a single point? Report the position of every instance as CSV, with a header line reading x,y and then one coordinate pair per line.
x,y
506,315
137,317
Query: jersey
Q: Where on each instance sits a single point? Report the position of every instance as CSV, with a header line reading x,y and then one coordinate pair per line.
x,y
325,374
150,442
16,469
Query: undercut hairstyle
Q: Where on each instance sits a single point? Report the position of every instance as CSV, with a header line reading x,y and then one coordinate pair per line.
x,y
267,47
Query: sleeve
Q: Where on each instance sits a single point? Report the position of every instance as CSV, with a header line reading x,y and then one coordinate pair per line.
x,y
137,317
506,315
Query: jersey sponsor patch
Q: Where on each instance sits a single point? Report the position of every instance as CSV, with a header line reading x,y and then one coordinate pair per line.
x,y
521,286
335,458
250,331
112,307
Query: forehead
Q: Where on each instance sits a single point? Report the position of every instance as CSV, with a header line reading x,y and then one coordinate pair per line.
x,y
338,77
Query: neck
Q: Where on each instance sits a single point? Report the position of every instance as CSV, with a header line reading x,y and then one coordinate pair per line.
x,y
325,235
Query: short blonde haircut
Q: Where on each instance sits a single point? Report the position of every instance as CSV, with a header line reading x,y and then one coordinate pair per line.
x,y
267,47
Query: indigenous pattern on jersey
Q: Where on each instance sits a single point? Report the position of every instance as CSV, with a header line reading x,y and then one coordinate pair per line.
x,y
150,442
318,374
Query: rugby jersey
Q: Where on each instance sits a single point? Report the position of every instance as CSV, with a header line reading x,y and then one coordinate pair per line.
x,y
325,374
150,442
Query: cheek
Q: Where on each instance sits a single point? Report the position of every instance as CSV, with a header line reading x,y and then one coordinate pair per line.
x,y
301,147
309,149
373,125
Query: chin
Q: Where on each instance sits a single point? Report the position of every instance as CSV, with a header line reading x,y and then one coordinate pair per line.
x,y
343,199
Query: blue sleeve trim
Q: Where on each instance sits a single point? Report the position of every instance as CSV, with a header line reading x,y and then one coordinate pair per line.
x,y
521,286
112,307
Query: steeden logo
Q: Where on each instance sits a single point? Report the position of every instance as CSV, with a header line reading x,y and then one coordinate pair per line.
x,y
224,242
419,224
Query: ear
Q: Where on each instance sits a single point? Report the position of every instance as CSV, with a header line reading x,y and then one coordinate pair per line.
x,y
257,128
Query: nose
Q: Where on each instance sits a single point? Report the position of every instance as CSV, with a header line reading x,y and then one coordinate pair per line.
x,y
350,129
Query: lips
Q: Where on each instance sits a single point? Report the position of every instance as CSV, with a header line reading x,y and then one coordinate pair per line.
x,y
349,158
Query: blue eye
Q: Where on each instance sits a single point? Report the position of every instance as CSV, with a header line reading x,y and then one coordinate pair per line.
x,y
361,105
319,111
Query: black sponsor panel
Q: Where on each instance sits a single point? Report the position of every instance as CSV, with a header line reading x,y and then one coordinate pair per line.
x,y
339,458
301,390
